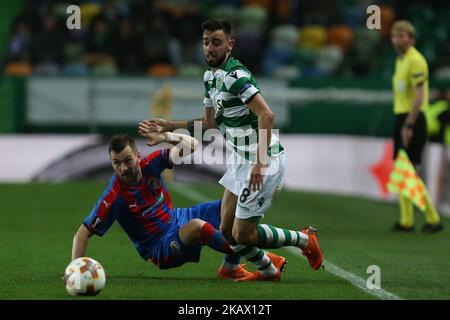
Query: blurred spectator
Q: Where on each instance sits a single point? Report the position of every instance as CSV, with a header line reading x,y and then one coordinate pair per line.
x,y
155,44
100,45
318,12
129,58
438,118
19,48
30,16
47,52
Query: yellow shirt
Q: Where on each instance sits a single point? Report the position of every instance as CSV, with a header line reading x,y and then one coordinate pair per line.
x,y
411,69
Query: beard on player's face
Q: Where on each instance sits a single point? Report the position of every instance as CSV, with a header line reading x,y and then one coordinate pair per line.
x,y
130,176
215,59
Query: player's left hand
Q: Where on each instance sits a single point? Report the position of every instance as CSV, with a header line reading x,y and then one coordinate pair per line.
x,y
256,177
406,134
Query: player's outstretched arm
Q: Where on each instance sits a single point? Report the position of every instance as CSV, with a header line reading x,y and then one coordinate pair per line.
x,y
183,145
162,125
80,242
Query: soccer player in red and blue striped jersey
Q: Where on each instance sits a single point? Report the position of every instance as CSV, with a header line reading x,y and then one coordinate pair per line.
x,y
138,200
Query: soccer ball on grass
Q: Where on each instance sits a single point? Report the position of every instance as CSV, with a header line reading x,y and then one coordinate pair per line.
x,y
84,277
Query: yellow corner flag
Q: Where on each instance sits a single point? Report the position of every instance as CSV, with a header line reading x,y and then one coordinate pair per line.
x,y
405,180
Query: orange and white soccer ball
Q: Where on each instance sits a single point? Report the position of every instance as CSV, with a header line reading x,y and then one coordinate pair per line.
x,y
84,277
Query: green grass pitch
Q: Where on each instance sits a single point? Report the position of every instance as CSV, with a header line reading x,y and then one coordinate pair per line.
x,y
38,222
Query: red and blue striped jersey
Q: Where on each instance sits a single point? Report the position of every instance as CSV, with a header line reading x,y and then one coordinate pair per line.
x,y
143,211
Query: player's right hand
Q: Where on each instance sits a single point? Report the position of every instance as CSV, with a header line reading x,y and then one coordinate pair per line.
x,y
159,125
153,137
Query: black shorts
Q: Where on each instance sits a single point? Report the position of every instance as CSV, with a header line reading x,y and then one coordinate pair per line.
x,y
419,138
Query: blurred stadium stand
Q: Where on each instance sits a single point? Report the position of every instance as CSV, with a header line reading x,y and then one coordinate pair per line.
x,y
284,38
319,51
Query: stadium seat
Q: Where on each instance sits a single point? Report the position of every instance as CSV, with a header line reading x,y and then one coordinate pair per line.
x,y
329,58
274,57
253,16
88,12
287,72
224,12
304,56
76,69
106,69
354,16
341,36
283,9
365,41
387,17
312,37
47,69
312,72
234,3
428,49
60,9
421,12
161,70
190,70
285,35
442,73
248,40
263,3
18,69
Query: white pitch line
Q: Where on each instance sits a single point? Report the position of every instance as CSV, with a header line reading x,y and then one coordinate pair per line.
x,y
329,267
351,277
185,190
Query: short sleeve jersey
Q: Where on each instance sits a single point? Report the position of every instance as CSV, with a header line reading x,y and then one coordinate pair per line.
x,y
228,91
411,69
143,211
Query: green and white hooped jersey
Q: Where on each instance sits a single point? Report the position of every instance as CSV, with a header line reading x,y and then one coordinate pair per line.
x,y
228,90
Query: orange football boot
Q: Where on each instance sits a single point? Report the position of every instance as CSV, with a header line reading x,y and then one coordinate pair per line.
x,y
258,276
312,252
240,272
278,261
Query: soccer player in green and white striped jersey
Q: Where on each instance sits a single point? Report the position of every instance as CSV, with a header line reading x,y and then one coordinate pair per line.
x,y
234,104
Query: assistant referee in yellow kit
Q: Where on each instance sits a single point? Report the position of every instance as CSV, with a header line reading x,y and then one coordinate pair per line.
x,y
410,89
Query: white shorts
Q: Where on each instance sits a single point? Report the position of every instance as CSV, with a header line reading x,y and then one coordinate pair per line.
x,y
253,204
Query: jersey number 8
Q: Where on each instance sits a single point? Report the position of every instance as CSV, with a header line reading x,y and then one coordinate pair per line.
x,y
245,193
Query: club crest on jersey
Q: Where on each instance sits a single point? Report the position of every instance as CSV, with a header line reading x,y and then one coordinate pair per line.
x,y
219,82
175,245
154,183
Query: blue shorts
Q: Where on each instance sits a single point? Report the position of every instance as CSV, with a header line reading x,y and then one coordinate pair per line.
x,y
170,252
